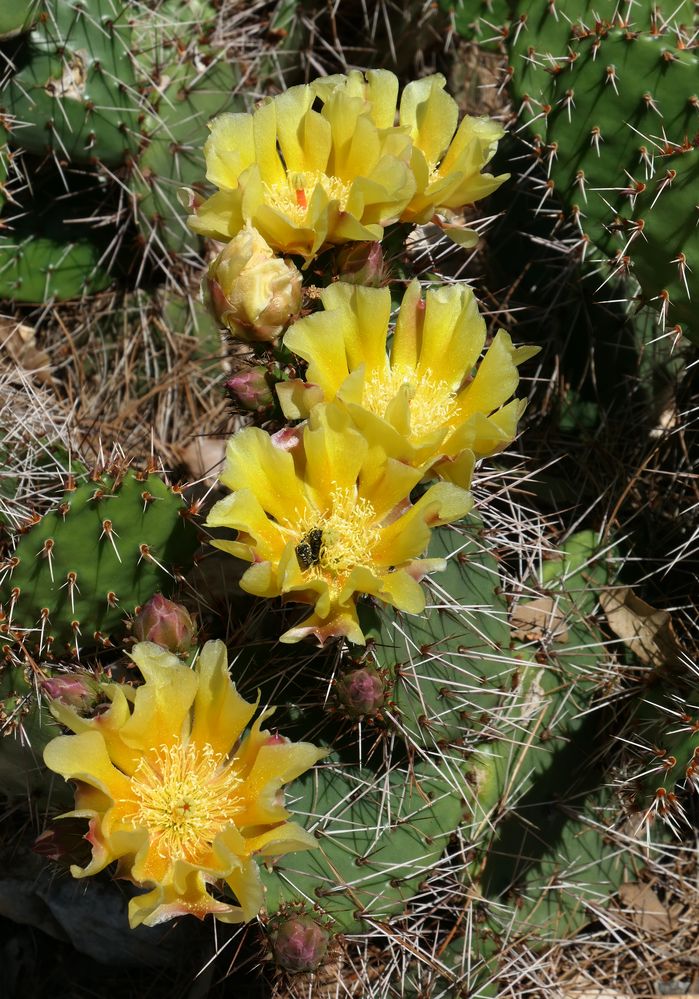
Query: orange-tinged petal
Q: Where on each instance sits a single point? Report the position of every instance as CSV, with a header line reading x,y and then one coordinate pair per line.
x,y
341,622
165,902
220,713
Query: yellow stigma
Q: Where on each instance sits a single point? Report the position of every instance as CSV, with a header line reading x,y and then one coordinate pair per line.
x,y
294,197
349,535
431,400
185,797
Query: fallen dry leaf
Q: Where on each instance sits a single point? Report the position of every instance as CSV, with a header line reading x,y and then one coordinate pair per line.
x,y
646,631
580,988
19,341
643,907
533,619
204,457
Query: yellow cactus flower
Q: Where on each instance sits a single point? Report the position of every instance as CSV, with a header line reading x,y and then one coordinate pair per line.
x,y
324,515
306,178
446,161
176,792
429,402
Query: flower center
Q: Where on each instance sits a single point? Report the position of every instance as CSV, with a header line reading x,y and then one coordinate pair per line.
x,y
294,197
431,401
185,797
333,543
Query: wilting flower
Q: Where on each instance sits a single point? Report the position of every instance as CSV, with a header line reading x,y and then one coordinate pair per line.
x,y
324,515
428,402
253,292
308,178
176,792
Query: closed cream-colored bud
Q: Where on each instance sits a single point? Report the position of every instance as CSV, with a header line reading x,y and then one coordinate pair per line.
x,y
253,292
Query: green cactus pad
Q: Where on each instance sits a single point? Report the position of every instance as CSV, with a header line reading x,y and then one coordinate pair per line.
x,y
612,105
171,155
26,726
38,269
449,663
17,17
76,93
112,543
377,839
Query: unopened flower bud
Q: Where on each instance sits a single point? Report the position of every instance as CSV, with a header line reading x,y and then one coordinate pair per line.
x,y
299,943
251,389
74,690
361,263
361,692
166,623
253,292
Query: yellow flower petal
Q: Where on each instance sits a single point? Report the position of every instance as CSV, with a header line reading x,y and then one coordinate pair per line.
x,y
84,757
430,115
254,463
161,710
220,713
229,150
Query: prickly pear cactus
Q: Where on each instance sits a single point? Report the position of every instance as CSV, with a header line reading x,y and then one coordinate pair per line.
x,y
126,95
112,543
75,95
664,736
496,704
609,95
26,726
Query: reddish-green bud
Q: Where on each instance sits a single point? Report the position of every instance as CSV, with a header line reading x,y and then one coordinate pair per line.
x,y
361,263
299,943
166,623
72,689
251,389
361,692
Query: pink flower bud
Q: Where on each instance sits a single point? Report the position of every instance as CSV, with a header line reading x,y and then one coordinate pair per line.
x,y
166,623
252,291
299,943
361,692
75,691
361,263
251,389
